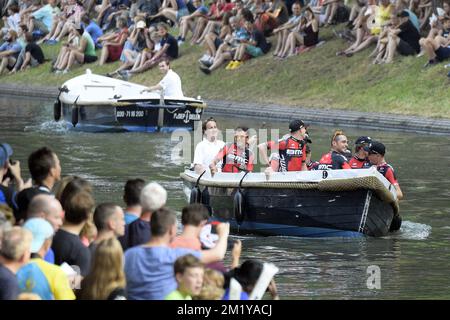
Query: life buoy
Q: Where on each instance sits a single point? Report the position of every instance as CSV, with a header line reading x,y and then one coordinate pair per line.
x,y
238,207
196,195
75,111
57,110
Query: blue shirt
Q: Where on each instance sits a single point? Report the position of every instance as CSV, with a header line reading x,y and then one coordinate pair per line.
x,y
226,296
45,14
129,218
149,271
94,30
50,256
11,46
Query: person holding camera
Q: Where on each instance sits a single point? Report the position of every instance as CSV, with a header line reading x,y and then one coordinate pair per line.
x,y
9,173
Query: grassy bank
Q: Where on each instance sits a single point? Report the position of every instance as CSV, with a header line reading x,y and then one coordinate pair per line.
x,y
313,79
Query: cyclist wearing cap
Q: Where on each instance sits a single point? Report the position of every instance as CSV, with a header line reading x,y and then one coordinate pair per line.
x,y
359,159
335,159
376,152
291,150
235,156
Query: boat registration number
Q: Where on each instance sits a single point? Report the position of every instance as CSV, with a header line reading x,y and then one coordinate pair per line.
x,y
129,113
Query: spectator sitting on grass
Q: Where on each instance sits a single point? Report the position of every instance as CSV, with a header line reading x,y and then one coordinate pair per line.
x,y
84,53
138,41
189,22
282,31
369,27
93,29
404,38
255,47
112,43
173,10
9,51
307,34
214,40
275,16
438,49
11,21
71,15
226,50
216,18
189,276
32,57
42,19
168,51
73,41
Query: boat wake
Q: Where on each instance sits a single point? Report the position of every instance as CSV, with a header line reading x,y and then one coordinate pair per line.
x,y
60,127
412,231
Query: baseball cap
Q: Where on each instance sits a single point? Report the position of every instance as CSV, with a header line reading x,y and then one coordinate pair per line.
x,y
296,125
375,147
5,152
140,24
402,14
363,140
41,230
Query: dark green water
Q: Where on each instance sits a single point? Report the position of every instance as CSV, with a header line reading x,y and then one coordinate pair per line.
x,y
413,263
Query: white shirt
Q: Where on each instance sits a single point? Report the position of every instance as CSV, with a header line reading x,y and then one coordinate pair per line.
x,y
171,84
206,151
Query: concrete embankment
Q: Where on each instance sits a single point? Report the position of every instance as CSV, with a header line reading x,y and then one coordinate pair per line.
x,y
331,117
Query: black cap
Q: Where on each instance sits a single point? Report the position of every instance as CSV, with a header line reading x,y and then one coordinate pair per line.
x,y
402,14
296,125
375,147
363,140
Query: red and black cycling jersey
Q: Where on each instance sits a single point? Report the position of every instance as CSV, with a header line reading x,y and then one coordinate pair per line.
x,y
357,163
292,153
235,159
388,172
332,161
312,165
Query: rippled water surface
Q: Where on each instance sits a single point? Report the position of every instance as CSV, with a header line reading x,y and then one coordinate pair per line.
x,y
414,263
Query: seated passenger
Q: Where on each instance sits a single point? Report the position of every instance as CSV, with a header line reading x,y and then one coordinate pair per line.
x,y
209,147
291,150
335,159
376,152
359,159
236,156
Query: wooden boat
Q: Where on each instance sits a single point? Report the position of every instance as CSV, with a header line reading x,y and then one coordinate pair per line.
x,y
97,103
349,203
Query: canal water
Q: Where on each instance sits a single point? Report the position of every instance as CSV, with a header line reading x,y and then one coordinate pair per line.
x,y
413,263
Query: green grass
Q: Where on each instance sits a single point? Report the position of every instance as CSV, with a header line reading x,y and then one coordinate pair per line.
x,y
313,79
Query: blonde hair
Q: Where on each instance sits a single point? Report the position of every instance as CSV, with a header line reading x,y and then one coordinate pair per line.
x,y
106,273
212,289
15,243
336,134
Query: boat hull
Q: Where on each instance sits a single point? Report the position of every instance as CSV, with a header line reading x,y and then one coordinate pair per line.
x,y
299,211
133,117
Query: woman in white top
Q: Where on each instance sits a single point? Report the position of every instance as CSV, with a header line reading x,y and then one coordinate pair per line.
x,y
207,149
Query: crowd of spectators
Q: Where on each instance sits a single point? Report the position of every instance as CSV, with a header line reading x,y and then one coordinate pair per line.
x,y
57,243
139,33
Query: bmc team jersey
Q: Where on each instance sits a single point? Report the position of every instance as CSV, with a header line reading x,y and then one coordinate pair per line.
x,y
357,163
292,153
332,161
235,159
388,172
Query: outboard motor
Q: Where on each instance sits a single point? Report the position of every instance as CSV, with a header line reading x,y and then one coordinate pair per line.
x,y
196,194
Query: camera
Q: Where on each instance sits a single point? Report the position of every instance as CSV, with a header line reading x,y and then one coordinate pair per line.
x,y
9,173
